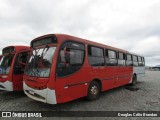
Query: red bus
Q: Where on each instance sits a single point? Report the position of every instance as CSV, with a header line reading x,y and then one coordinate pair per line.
x,y
62,68
12,67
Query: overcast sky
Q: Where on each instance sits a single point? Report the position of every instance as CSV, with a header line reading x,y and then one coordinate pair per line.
x,y
133,25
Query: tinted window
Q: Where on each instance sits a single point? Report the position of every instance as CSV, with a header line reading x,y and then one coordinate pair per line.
x,y
76,56
139,59
129,60
95,51
111,58
121,59
70,58
129,57
111,54
121,56
134,58
8,50
95,56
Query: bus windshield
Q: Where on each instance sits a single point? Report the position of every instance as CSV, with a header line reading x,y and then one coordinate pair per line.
x,y
40,62
5,63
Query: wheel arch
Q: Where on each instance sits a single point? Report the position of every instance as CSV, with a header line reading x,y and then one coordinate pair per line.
x,y
134,74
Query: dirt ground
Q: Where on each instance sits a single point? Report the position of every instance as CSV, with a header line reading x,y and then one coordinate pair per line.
x,y
146,97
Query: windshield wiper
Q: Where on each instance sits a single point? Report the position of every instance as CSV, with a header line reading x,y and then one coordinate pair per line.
x,y
35,57
42,54
34,49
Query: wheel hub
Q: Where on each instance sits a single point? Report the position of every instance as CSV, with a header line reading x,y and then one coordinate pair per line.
x,y
94,90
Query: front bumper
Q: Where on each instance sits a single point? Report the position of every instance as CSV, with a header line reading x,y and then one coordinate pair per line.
x,y
7,86
46,95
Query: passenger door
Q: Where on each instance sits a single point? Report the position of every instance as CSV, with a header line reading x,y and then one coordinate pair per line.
x,y
18,70
70,73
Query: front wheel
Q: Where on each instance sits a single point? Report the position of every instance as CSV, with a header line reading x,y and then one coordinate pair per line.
x,y
134,80
93,91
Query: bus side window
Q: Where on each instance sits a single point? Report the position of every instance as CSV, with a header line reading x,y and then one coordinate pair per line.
x,y
129,61
70,58
121,59
140,61
135,60
95,56
111,58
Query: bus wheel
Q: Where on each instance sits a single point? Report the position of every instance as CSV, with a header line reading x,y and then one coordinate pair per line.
x,y
134,80
93,91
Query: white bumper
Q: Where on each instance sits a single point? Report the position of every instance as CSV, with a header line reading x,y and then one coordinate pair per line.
x,y
7,85
46,95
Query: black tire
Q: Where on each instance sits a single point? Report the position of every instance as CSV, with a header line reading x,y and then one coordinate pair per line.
x,y
93,91
134,80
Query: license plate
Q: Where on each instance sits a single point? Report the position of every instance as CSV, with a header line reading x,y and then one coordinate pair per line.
x,y
31,92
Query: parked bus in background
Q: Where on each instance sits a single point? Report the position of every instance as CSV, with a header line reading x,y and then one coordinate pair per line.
x,y
12,67
62,68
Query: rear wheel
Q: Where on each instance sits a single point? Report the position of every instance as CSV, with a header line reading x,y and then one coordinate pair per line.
x,y
93,91
134,80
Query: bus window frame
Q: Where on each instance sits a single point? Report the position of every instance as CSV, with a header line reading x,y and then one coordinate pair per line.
x,y
135,61
129,60
106,51
57,58
95,56
124,58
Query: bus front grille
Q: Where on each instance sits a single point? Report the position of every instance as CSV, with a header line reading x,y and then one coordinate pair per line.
x,y
35,95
